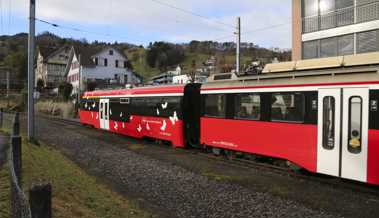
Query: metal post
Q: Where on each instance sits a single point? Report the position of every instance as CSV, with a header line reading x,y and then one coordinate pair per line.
x,y
238,33
40,200
1,118
8,83
31,45
16,143
16,125
80,78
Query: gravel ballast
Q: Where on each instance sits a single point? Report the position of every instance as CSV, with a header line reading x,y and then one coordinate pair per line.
x,y
168,189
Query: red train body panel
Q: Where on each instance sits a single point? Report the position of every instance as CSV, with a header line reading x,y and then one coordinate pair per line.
x,y
373,157
294,142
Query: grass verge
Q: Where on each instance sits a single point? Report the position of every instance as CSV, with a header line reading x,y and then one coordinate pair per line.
x,y
75,193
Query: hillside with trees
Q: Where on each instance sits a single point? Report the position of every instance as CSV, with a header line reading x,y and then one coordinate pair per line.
x,y
156,58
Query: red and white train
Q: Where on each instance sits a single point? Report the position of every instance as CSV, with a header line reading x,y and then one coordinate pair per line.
x,y
323,118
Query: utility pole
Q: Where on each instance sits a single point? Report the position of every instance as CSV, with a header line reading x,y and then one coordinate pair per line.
x,y
8,83
31,45
238,33
80,78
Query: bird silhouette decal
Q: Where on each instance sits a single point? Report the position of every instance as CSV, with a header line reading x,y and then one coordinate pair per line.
x,y
164,125
139,129
164,106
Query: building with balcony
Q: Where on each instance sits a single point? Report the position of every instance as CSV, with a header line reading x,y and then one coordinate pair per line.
x,y
51,65
327,28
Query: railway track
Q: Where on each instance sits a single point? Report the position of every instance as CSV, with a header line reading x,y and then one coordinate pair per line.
x,y
249,164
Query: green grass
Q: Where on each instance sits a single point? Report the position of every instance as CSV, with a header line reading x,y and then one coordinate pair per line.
x,y
75,193
4,192
137,57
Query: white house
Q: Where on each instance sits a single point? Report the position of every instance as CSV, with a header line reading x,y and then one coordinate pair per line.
x,y
106,67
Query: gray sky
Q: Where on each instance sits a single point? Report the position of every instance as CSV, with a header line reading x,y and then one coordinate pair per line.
x,y
142,21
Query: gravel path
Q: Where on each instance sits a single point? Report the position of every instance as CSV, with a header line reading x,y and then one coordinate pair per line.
x,y
173,190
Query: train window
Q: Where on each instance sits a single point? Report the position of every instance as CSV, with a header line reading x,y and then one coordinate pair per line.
x,y
355,125
288,107
328,122
105,110
168,106
247,106
101,110
124,100
215,105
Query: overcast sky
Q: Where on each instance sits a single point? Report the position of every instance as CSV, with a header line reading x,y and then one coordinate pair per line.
x,y
143,21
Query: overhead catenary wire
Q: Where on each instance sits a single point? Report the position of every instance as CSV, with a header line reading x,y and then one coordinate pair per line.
x,y
111,35
253,31
83,30
193,13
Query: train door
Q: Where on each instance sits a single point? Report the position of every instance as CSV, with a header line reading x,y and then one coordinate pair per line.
x,y
104,114
329,125
355,134
343,132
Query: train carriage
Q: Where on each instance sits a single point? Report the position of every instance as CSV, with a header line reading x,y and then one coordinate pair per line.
x,y
323,118
139,112
321,114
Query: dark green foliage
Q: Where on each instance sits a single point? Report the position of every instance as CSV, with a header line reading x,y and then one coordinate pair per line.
x,y
163,55
65,90
40,85
17,62
91,86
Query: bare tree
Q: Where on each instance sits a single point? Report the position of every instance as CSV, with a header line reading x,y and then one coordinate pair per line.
x,y
192,73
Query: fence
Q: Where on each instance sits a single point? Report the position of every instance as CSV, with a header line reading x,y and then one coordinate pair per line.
x,y
341,17
39,203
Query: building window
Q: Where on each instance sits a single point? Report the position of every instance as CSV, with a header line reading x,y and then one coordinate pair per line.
x,y
116,63
96,61
105,62
327,17
110,52
326,6
328,47
310,8
346,45
215,105
368,41
125,64
288,107
311,49
247,106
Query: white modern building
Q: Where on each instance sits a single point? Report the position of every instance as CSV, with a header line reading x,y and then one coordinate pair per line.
x,y
106,67
327,28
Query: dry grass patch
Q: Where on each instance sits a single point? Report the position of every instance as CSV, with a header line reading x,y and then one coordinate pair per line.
x,y
75,193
